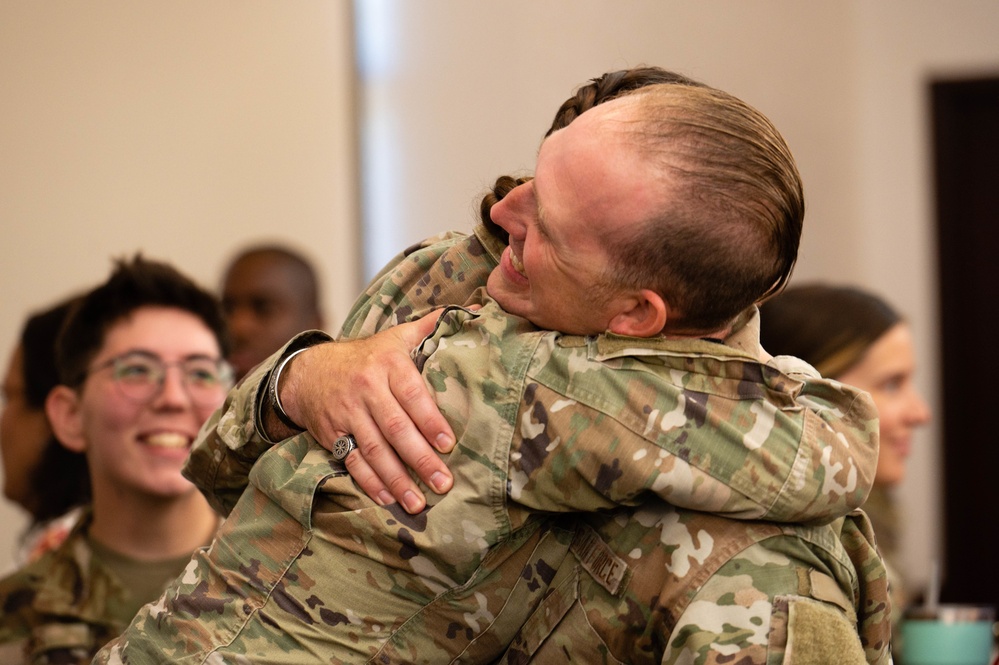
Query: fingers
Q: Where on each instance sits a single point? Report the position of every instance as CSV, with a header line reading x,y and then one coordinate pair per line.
x,y
372,389
418,411
375,464
396,442
368,480
379,472
409,444
412,333
412,394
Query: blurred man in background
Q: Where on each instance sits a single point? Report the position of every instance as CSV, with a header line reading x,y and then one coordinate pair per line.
x,y
270,294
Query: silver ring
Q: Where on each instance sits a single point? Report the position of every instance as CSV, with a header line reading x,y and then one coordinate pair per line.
x,y
343,446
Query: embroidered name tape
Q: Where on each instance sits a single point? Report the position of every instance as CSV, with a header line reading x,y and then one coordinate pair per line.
x,y
608,569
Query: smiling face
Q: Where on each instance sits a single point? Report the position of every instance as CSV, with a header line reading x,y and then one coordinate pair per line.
x,y
589,184
886,372
138,448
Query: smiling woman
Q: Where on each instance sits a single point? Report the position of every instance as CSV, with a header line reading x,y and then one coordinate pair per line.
x,y
141,367
136,430
858,338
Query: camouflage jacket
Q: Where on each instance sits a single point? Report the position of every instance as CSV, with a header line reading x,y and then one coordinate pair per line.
x,y
62,607
306,563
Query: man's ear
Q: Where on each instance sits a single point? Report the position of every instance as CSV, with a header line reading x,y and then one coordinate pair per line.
x,y
643,314
62,406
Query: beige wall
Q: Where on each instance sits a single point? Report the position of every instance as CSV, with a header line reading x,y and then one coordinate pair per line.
x,y
177,127
902,47
182,129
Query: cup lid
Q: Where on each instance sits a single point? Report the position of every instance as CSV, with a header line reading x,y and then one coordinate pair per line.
x,y
951,613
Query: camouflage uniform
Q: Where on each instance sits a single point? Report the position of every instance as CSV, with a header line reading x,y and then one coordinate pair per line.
x,y
306,564
61,608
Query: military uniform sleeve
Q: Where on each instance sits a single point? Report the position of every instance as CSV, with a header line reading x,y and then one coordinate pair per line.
x,y
607,421
439,271
15,628
232,439
610,421
833,472
659,584
794,598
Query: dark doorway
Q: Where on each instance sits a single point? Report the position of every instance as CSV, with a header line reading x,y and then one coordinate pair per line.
x,y
966,142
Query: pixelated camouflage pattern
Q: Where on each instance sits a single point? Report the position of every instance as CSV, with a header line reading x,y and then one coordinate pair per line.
x,y
604,421
443,270
705,589
428,588
61,608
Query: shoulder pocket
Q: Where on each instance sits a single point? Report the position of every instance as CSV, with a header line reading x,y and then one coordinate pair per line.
x,y
805,631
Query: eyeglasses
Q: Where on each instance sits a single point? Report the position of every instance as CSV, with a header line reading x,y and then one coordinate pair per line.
x,y
140,375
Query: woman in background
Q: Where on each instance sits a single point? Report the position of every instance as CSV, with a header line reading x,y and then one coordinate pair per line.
x,y
857,338
39,474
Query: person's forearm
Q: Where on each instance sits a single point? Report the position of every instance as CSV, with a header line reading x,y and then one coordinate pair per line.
x,y
238,433
702,426
272,421
440,271
218,472
222,456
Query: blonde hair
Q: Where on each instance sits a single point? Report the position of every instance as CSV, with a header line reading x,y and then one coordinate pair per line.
x,y
728,230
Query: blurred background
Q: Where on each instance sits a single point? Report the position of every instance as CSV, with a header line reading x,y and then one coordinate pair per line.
x,y
188,129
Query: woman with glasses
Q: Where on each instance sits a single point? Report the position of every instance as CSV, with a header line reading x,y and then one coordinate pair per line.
x,y
141,367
